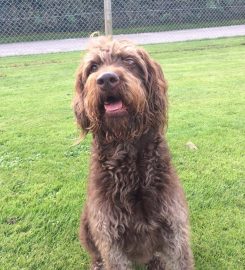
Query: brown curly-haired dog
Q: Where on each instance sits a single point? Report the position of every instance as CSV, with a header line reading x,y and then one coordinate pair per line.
x,y
136,210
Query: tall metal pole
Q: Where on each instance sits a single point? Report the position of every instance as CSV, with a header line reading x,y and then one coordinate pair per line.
x,y
108,17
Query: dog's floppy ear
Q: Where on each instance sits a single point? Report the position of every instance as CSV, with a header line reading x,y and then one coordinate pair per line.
x,y
78,103
157,90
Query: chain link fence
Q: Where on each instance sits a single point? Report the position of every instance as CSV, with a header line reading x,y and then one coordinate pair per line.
x,y
164,15
28,20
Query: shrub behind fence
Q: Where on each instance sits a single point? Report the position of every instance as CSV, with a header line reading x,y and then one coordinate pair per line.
x,y
24,20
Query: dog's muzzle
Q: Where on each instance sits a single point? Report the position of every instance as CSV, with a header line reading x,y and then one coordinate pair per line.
x,y
108,82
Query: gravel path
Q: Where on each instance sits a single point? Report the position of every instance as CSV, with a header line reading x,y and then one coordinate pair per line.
x,y
66,45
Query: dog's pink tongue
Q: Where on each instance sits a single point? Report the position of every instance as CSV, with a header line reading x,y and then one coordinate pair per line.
x,y
111,107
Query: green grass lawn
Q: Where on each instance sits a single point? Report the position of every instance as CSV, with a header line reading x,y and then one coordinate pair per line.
x,y
43,175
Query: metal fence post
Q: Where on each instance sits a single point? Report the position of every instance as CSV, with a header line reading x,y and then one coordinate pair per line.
x,y
108,17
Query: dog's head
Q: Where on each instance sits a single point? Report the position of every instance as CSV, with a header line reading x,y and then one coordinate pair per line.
x,y
120,91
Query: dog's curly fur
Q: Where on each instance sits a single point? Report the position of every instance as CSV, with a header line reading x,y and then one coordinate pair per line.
x,y
136,211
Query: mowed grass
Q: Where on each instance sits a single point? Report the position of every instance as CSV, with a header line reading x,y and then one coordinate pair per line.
x,y
43,174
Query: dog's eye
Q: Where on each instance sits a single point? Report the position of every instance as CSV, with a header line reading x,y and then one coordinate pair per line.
x,y
94,67
129,60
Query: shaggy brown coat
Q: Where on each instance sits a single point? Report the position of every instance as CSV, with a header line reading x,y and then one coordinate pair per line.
x,y
136,210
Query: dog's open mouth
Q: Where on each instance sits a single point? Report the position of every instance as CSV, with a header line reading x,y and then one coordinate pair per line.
x,y
114,105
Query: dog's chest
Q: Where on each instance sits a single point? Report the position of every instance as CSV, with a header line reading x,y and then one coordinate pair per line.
x,y
141,231
133,204
126,192
130,183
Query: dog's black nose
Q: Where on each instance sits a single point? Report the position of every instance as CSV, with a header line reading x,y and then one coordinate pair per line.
x,y
108,80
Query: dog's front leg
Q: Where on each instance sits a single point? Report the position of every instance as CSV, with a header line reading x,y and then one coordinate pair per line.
x,y
177,259
115,259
